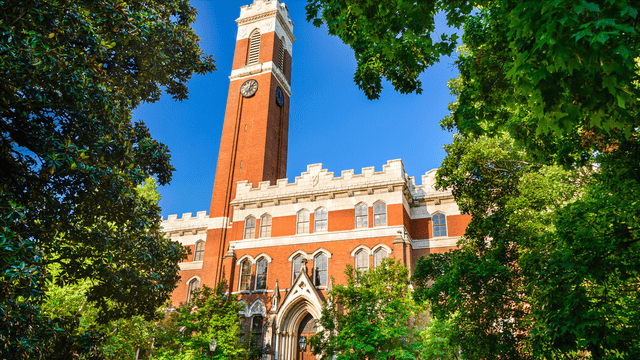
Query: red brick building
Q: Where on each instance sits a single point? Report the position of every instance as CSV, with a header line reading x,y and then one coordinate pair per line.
x,y
281,244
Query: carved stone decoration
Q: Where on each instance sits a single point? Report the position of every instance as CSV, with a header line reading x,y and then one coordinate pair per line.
x,y
370,191
332,195
259,205
350,193
276,202
312,198
275,298
231,252
258,308
390,188
438,201
304,265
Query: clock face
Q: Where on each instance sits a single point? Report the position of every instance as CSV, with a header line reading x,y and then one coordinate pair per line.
x,y
249,88
279,97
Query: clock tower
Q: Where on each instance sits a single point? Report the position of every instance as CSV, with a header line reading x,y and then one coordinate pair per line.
x,y
254,135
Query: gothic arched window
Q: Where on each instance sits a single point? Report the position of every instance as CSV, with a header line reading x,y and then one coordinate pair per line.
x,y
302,221
320,267
379,214
262,267
361,216
253,55
250,227
245,275
296,267
439,224
265,225
378,256
320,220
192,286
198,254
362,261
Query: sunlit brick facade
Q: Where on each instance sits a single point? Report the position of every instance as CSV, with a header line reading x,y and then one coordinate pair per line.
x,y
280,244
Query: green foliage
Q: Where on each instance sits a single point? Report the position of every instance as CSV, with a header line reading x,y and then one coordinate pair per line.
x,y
436,342
391,39
546,162
209,314
71,158
372,317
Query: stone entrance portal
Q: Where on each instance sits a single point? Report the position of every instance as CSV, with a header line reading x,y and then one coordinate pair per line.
x,y
306,330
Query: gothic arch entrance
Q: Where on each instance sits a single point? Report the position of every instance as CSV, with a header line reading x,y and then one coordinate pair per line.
x,y
306,330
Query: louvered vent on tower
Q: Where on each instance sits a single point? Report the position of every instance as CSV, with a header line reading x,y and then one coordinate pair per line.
x,y
254,47
281,55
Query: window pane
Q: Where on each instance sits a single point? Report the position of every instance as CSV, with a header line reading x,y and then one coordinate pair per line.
x,y
379,256
245,275
261,274
320,270
297,264
380,214
265,226
250,228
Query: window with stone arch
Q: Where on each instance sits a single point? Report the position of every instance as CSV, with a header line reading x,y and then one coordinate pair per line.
x,y
439,221
378,256
302,222
362,261
192,286
262,267
362,216
281,55
379,214
296,267
265,225
320,220
253,54
320,270
198,254
245,275
250,227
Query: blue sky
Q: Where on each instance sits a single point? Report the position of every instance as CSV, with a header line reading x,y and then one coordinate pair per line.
x,y
330,122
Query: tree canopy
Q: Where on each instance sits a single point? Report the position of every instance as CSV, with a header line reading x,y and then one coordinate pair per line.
x,y
71,157
371,317
545,161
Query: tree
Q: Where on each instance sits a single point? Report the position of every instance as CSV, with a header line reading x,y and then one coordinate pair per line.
x,y
373,316
210,313
72,72
546,162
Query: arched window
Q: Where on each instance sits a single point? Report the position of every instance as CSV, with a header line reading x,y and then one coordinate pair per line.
x,y
250,227
265,225
262,267
361,216
320,270
256,331
281,55
254,47
297,267
245,275
320,220
199,253
362,261
378,256
302,222
439,224
192,286
379,214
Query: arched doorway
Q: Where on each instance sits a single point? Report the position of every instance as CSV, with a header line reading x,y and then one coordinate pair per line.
x,y
306,330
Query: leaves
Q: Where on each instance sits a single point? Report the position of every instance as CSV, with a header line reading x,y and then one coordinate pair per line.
x,y
72,73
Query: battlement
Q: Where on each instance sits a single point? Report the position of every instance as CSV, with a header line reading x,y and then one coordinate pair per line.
x,y
317,180
187,222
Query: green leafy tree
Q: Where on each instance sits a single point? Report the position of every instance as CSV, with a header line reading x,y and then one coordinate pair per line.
x,y
71,158
545,161
436,342
373,316
209,314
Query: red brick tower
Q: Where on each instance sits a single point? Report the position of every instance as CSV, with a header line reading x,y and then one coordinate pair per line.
x,y
254,135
